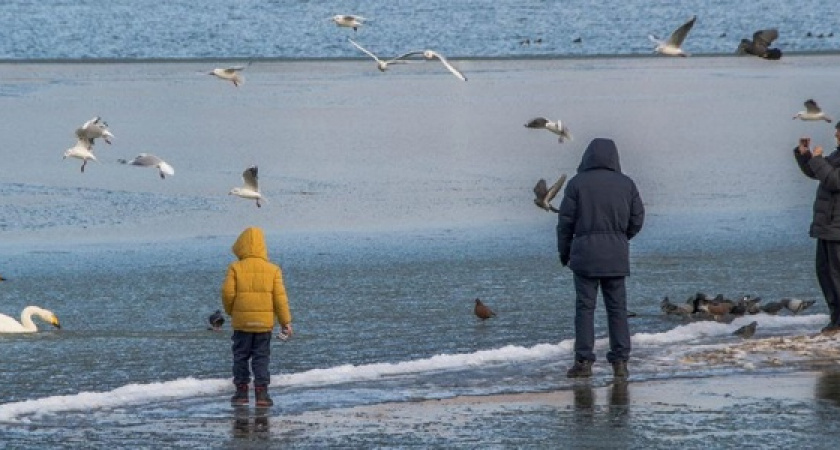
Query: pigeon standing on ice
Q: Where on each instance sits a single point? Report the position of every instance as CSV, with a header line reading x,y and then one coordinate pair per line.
x,y
673,45
747,331
796,305
482,311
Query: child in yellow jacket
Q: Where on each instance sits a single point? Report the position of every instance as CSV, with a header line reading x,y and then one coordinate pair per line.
x,y
253,295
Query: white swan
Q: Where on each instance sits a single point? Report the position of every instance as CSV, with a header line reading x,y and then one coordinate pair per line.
x,y
26,325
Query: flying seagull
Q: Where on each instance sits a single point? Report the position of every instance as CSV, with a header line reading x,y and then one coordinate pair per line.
x,y
431,54
229,73
380,64
82,150
348,21
544,194
556,127
812,112
673,46
147,160
251,190
95,128
760,44
482,311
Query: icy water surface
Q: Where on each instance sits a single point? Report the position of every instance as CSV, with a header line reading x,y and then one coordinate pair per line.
x,y
130,29
393,200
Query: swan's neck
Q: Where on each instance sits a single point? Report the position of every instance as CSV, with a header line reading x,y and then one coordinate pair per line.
x,y
26,317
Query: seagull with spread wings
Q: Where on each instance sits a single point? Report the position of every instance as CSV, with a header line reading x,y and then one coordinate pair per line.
x,y
251,189
812,112
149,160
231,74
673,45
557,127
380,64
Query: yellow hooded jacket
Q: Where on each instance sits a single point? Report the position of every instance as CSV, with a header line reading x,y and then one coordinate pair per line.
x,y
253,293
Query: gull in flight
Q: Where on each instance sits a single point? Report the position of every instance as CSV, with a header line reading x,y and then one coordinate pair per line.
x,y
557,127
95,128
251,190
431,54
229,74
380,64
544,194
348,21
673,46
812,112
82,150
147,160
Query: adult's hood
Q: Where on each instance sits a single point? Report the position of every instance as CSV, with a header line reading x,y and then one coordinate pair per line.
x,y
250,244
600,154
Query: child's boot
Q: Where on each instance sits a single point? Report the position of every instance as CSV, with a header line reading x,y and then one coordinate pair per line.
x,y
241,395
261,396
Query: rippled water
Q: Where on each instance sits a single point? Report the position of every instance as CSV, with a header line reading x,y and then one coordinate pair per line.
x,y
471,28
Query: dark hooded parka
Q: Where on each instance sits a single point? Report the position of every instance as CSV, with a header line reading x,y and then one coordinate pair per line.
x,y
600,212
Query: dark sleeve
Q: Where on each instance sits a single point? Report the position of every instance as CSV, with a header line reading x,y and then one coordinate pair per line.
x,y
828,175
566,221
802,162
637,214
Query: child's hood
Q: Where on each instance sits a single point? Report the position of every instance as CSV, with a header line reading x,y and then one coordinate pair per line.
x,y
250,244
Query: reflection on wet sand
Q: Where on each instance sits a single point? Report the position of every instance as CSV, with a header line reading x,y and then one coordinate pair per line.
x,y
828,388
242,421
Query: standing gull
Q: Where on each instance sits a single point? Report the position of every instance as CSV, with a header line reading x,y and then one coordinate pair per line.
x,y
812,112
251,190
348,21
229,73
544,194
673,46
82,150
147,160
380,64
557,127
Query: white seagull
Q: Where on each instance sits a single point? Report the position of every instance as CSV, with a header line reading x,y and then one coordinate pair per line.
x,y
148,160
812,112
82,150
380,64
348,21
673,46
431,54
557,127
229,73
544,194
251,189
94,129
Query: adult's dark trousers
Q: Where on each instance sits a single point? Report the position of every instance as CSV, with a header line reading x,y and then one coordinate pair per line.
x,y
828,275
251,352
615,300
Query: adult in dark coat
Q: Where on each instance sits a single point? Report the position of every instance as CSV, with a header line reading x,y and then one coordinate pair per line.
x,y
600,212
825,226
